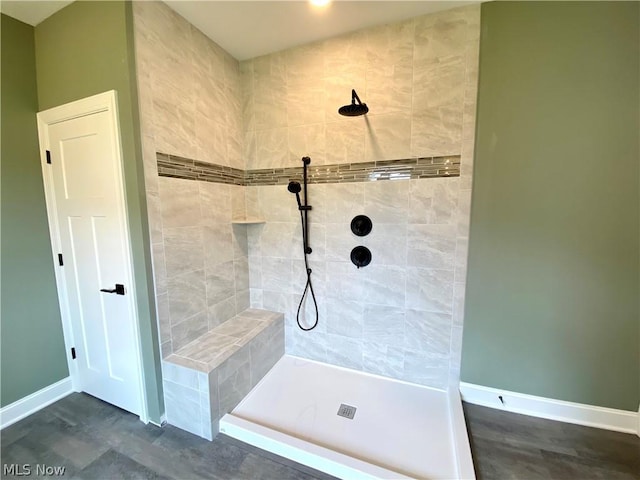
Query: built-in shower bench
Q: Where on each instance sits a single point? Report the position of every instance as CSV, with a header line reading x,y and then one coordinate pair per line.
x,y
208,377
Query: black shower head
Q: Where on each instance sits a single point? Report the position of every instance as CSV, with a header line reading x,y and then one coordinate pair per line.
x,y
294,187
354,109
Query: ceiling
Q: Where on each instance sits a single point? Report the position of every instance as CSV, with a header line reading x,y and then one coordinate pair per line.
x,y
248,29
32,11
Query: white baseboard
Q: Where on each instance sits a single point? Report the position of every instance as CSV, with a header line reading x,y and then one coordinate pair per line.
x,y
163,421
32,403
588,415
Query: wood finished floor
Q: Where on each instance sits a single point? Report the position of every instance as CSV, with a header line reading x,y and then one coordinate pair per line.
x,y
94,440
510,446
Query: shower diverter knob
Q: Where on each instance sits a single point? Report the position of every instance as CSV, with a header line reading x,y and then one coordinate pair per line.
x,y
361,225
361,256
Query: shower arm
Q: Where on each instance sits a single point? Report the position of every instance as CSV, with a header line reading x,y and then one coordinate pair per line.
x,y
354,97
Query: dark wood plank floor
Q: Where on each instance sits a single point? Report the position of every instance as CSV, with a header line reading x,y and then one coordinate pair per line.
x,y
94,440
510,446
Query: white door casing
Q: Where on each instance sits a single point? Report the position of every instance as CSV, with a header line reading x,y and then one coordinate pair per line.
x,y
88,225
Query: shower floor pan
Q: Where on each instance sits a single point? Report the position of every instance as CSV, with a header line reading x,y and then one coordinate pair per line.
x,y
301,408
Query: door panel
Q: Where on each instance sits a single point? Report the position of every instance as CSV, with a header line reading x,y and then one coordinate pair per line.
x,y
89,204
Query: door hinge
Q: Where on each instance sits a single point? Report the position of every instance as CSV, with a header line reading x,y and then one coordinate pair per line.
x,y
60,262
73,353
48,157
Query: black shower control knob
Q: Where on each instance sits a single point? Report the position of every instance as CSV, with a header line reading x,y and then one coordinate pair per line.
x,y
361,256
361,225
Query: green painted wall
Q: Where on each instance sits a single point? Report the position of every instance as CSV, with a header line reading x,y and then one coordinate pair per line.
x,y
85,49
32,346
553,278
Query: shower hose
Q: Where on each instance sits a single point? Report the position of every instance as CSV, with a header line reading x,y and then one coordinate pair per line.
x,y
308,286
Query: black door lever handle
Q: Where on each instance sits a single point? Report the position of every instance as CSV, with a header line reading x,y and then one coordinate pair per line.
x,y
119,290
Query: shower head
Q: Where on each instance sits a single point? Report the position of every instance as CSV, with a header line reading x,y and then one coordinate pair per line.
x,y
354,109
294,187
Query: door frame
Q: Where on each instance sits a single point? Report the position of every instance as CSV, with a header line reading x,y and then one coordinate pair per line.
x,y
102,102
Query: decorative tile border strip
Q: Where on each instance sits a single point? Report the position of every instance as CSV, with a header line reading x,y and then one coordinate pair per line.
x,y
180,167
411,168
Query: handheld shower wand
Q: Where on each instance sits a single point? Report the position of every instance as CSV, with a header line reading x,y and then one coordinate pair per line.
x,y
295,187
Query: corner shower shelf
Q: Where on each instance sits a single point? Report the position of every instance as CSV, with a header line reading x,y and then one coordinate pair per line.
x,y
248,221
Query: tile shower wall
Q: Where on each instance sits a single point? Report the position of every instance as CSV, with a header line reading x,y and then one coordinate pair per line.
x,y
402,315
190,102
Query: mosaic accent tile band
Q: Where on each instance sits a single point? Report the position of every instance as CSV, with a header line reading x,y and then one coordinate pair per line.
x,y
403,169
181,167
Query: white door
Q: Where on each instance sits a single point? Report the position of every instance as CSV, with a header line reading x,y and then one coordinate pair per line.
x,y
85,199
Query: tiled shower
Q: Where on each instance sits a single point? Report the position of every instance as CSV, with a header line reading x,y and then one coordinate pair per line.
x,y
401,316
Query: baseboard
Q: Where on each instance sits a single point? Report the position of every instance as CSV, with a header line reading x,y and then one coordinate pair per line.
x,y
32,403
163,421
580,414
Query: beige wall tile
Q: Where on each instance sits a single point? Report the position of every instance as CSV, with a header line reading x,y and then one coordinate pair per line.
x,y
155,217
419,78
272,148
250,150
387,136
211,136
307,141
238,202
431,246
441,34
164,321
186,296
305,102
344,140
429,290
188,330
174,129
436,131
390,44
220,283
180,203
159,268
270,92
183,249
149,164
248,95
440,83
305,64
344,201
217,242
387,201
345,53
390,88
214,202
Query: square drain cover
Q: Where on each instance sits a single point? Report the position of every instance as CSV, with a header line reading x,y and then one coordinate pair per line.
x,y
346,411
